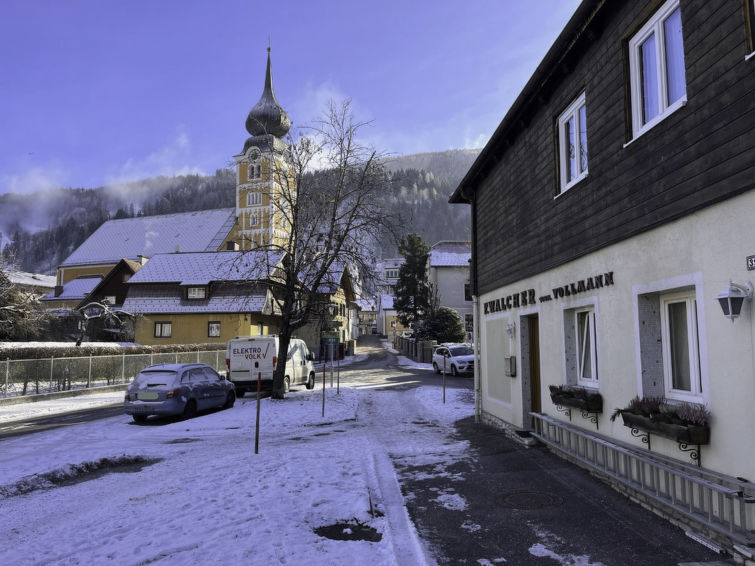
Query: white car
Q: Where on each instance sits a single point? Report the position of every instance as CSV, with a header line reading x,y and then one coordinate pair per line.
x,y
454,359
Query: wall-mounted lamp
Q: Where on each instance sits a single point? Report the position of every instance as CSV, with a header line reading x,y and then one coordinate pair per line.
x,y
733,297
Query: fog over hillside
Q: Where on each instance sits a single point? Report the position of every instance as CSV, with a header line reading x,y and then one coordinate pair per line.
x,y
43,228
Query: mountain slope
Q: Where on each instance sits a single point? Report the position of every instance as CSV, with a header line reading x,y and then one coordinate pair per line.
x,y
43,228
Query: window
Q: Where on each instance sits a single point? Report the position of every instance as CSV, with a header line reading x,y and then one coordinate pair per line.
x,y
163,329
213,329
254,171
196,293
572,143
750,21
253,199
254,219
581,346
587,366
679,339
391,273
656,66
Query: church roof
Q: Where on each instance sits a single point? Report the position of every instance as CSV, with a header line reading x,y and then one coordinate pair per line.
x,y
129,238
267,116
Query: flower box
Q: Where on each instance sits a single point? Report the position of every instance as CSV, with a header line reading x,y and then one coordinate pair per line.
x,y
578,399
689,434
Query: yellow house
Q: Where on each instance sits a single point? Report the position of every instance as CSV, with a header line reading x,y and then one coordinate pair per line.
x,y
185,298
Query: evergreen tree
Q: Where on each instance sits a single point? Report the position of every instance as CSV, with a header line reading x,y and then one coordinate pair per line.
x,y
413,295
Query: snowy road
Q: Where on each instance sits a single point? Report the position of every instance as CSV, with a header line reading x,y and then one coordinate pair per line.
x,y
193,492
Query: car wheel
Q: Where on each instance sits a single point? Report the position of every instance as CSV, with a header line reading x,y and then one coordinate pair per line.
x,y
436,369
286,384
454,371
311,381
140,418
230,400
190,409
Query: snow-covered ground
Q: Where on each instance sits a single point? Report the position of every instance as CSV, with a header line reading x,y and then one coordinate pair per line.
x,y
194,492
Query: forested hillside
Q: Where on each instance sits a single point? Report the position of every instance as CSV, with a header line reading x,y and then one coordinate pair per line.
x,y
43,228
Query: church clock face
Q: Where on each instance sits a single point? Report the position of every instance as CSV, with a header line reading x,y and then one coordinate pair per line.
x,y
254,154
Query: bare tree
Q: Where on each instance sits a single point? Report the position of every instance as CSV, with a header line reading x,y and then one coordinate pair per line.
x,y
111,318
21,316
327,204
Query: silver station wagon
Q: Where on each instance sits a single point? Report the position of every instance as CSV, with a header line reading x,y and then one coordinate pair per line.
x,y
177,389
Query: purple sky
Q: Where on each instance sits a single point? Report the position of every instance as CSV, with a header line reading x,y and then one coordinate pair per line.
x,y
96,92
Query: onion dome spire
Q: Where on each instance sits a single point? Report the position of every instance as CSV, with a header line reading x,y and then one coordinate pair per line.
x,y
267,116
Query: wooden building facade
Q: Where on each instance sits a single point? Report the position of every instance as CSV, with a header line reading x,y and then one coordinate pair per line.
x,y
611,210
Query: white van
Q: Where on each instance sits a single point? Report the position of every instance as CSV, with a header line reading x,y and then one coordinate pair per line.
x,y
248,356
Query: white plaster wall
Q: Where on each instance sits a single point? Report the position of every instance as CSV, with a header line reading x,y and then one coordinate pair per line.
x,y
449,282
705,250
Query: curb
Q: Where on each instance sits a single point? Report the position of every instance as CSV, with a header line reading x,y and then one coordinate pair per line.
x,y
17,400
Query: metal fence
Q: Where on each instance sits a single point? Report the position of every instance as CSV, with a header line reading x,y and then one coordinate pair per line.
x,y
722,504
48,375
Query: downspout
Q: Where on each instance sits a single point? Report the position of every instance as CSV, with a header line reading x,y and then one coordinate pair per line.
x,y
477,388
475,313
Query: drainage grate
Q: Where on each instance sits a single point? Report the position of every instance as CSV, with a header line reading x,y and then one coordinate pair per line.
x,y
529,500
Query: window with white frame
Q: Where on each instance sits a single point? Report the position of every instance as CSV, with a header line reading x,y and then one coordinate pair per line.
x,y
213,329
254,219
750,21
196,293
163,329
681,350
581,346
253,199
572,143
391,273
587,365
656,67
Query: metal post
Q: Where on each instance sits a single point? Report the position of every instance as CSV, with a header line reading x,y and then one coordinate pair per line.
x,y
7,371
51,361
323,389
257,425
89,377
331,365
444,379
123,368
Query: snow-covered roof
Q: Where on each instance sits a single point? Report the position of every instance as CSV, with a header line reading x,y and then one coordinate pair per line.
x,y
129,238
450,254
75,289
204,267
147,300
366,304
389,263
386,302
31,279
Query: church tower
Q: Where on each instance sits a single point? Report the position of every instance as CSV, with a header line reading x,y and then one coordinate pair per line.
x,y
262,191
